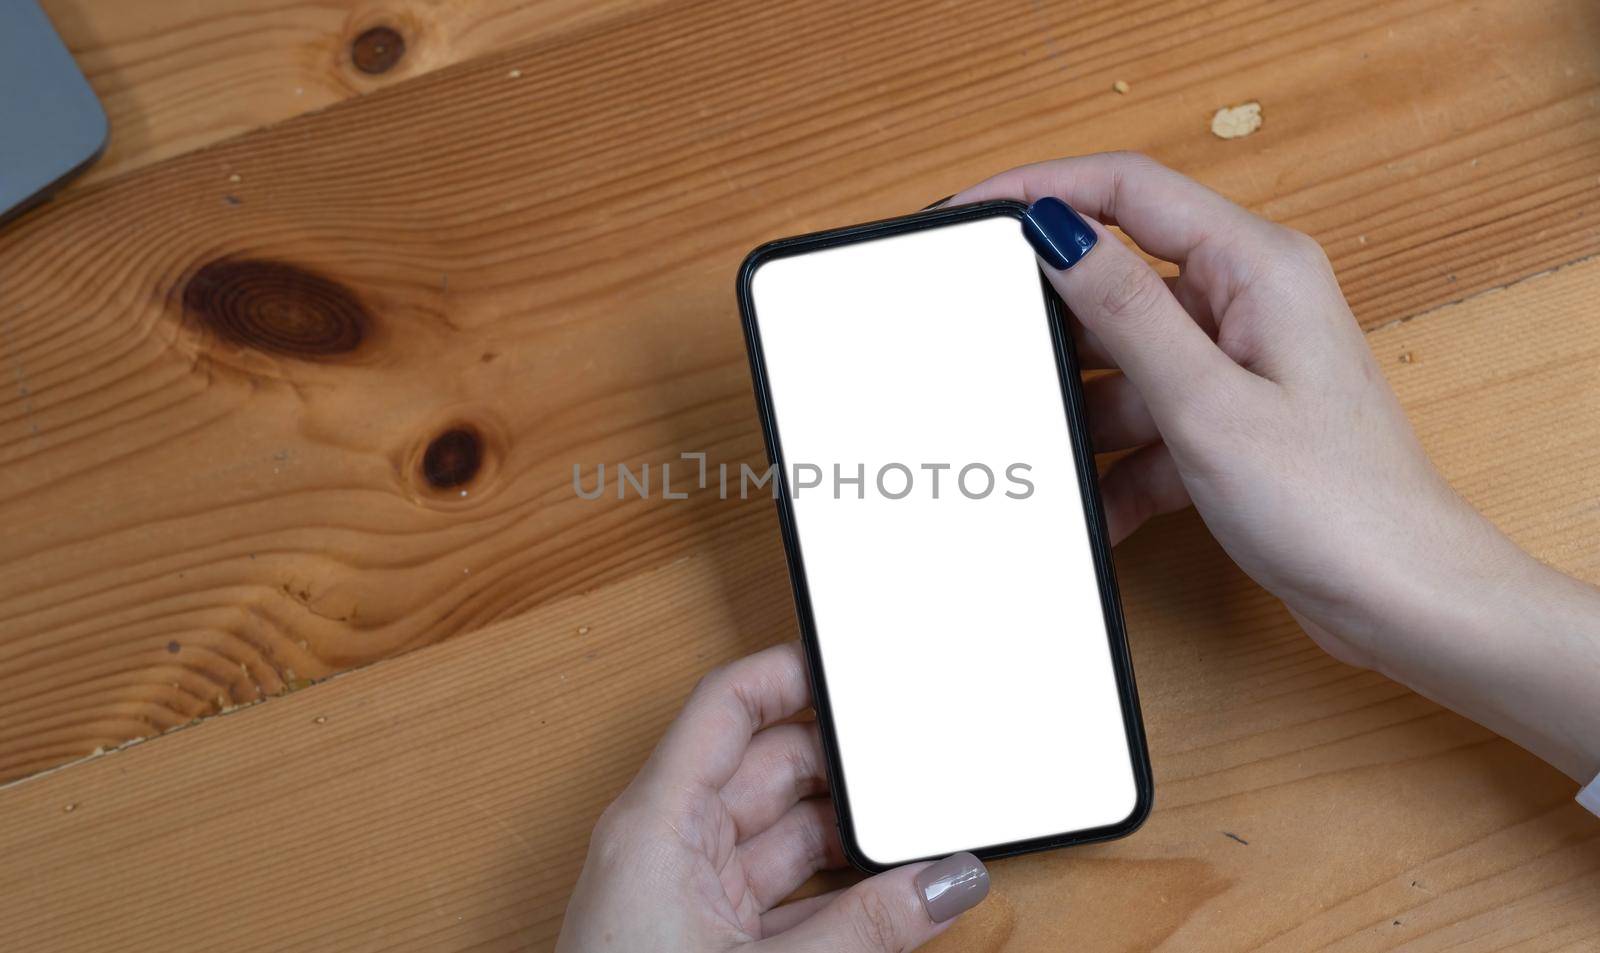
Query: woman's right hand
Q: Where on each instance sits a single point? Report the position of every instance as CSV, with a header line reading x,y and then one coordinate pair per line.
x,y
1247,387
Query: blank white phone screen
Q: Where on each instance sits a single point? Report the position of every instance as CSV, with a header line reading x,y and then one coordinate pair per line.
x,y
961,632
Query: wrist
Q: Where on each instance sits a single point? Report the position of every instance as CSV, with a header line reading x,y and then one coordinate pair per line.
x,y
1497,636
1419,583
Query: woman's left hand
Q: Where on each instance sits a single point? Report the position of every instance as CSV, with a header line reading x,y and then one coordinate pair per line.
x,y
726,819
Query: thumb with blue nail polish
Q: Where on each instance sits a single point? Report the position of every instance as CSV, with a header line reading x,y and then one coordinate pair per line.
x,y
1057,233
1121,301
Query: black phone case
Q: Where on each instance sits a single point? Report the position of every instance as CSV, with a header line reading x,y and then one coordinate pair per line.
x,y
1072,396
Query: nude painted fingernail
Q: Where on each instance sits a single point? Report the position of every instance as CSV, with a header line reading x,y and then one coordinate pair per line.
x,y
952,886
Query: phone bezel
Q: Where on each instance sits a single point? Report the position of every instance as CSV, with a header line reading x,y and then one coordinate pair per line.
x,y
1094,518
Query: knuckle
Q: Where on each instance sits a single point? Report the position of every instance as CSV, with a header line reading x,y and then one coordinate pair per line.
x,y
715,683
724,694
1130,157
814,837
1304,247
608,835
1129,291
873,918
1132,169
708,681
798,769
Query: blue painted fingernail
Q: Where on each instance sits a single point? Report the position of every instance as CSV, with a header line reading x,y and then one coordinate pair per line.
x,y
1057,233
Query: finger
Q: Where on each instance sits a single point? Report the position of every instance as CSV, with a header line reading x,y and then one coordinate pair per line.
x,y
1192,298
782,765
779,919
704,746
1118,417
779,859
1126,305
1091,354
1166,213
898,910
1140,486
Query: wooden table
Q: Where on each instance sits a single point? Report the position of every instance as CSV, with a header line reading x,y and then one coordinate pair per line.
x,y
294,381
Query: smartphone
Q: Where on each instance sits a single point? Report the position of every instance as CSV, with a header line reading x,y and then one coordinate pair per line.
x,y
938,500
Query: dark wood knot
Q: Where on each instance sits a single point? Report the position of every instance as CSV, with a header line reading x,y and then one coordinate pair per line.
x,y
453,458
276,307
377,50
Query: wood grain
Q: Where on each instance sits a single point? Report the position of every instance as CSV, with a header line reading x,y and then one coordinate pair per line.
x,y
224,394
442,800
174,77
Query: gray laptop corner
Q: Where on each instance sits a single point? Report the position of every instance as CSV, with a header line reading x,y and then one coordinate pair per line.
x,y
51,124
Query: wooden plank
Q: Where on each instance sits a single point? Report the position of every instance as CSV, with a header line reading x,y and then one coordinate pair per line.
x,y
213,455
442,800
178,76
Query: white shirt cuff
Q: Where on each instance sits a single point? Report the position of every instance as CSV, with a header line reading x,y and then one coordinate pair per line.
x,y
1589,797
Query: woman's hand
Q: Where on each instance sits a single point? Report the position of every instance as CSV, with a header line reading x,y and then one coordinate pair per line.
x,y
1248,388
728,818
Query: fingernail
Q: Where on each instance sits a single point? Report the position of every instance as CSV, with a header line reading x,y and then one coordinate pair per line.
x,y
952,886
931,207
1057,233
